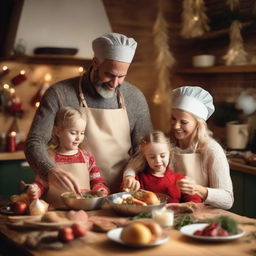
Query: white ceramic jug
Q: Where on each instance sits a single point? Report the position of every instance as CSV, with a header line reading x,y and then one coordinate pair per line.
x,y
237,135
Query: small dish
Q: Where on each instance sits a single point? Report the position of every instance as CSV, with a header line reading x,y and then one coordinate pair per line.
x,y
189,230
93,203
114,235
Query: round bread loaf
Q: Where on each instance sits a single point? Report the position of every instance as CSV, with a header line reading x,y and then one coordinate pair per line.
x,y
155,229
136,234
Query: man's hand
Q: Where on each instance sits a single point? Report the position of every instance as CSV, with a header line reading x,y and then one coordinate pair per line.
x,y
64,180
130,184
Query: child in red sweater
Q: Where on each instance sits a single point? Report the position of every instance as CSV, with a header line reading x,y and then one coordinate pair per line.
x,y
152,164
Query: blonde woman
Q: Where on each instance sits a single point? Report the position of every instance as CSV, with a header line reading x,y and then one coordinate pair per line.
x,y
152,165
68,134
197,155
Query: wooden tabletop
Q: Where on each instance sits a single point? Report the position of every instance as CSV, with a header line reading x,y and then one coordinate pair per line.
x,y
98,244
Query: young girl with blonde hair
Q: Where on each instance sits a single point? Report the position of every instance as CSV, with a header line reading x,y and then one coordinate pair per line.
x,y
153,171
67,135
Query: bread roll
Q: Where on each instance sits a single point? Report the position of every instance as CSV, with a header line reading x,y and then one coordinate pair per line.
x,y
155,229
136,234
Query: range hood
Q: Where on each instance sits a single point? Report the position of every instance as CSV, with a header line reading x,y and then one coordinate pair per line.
x,y
61,24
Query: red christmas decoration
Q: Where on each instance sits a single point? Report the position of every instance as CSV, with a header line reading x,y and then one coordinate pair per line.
x,y
21,77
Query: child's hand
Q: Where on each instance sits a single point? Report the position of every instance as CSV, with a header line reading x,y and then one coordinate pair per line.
x,y
33,191
130,184
187,185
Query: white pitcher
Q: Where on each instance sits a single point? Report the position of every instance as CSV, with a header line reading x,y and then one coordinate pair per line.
x,y
237,135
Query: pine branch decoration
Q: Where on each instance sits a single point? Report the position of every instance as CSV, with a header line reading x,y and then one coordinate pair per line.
x,y
164,62
236,54
194,19
233,4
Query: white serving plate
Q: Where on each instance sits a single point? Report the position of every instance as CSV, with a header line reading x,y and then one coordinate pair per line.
x,y
114,235
189,230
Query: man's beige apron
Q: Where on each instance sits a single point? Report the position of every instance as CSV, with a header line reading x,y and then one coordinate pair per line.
x,y
80,173
190,164
108,139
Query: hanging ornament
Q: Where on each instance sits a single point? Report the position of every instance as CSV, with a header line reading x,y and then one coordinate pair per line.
x,y
21,77
194,19
236,54
164,62
233,4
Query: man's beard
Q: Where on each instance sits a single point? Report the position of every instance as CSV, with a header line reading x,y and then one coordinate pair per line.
x,y
100,87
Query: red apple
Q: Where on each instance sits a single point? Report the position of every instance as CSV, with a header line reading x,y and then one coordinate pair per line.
x,y
19,207
65,234
78,230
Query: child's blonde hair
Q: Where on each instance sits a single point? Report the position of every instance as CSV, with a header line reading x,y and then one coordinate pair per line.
x,y
139,162
65,118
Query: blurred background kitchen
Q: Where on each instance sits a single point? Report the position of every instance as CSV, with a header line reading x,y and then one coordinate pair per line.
x,y
210,43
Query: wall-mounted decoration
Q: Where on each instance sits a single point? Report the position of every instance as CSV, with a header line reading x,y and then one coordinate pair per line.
x,y
21,77
194,19
164,62
236,54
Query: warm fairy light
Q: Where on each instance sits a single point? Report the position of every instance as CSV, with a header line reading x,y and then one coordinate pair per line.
x,y
157,99
80,70
195,18
6,86
12,90
22,72
37,104
47,77
13,134
5,68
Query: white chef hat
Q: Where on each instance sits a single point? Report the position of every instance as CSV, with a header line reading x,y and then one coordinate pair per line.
x,y
193,99
114,46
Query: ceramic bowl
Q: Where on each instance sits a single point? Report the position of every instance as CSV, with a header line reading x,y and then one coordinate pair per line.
x,y
93,203
203,60
132,210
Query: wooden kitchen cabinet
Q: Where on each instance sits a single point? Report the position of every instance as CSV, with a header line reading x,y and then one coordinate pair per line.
x,y
11,173
244,193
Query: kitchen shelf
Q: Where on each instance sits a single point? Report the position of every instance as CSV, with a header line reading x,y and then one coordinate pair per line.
x,y
217,69
50,59
221,32
18,155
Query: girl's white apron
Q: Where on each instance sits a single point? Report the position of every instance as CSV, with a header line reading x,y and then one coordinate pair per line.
x,y
81,174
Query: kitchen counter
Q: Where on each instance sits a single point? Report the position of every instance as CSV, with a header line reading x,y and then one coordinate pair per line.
x,y
98,244
236,165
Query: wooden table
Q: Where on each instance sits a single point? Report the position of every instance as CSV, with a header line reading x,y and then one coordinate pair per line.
x,y
97,244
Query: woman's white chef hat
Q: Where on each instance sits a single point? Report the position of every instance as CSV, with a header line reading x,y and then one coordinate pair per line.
x,y
114,46
193,99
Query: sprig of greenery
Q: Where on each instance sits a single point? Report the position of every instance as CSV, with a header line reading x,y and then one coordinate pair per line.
x,y
227,223
142,216
183,220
